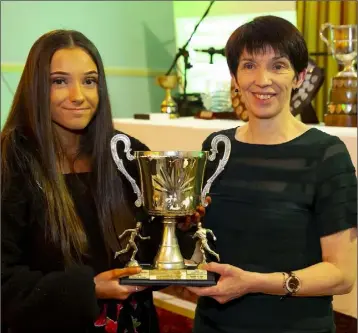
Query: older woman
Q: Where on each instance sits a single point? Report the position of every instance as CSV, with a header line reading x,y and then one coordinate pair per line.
x,y
284,210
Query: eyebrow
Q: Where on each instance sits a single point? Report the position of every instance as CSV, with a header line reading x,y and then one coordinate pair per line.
x,y
65,73
274,58
279,57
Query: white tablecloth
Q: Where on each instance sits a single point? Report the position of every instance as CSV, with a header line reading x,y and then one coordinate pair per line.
x,y
188,133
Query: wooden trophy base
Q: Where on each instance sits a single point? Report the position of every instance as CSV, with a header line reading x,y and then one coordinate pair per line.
x,y
189,276
342,106
341,120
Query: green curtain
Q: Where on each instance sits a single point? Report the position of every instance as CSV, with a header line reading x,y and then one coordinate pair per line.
x,y
310,16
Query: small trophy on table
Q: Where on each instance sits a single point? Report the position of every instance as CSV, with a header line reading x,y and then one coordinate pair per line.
x,y
170,188
169,106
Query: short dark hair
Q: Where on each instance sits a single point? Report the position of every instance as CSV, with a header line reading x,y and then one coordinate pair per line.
x,y
267,31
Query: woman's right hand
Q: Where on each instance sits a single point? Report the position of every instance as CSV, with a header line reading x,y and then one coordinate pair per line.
x,y
107,283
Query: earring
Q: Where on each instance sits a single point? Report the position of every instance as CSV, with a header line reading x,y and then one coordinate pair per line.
x,y
236,90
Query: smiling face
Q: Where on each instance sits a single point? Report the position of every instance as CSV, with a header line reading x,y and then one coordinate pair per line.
x,y
74,92
266,80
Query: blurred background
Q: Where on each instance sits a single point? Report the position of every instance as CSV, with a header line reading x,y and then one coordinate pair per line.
x,y
139,40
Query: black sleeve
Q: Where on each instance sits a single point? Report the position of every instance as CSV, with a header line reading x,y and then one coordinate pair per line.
x,y
136,145
336,196
206,145
30,298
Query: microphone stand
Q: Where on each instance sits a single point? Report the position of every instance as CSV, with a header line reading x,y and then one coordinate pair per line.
x,y
182,52
212,51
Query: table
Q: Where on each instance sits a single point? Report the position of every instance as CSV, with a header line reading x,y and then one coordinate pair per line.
x,y
188,133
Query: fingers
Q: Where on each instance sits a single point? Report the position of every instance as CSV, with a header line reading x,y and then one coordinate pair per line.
x,y
123,292
187,220
189,262
194,290
184,226
195,218
204,291
223,299
212,292
222,269
216,267
200,211
133,289
121,272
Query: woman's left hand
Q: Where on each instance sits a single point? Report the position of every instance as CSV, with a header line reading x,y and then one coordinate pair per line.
x,y
233,283
188,221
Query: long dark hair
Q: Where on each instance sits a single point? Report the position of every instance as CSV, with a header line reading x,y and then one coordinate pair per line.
x,y
30,118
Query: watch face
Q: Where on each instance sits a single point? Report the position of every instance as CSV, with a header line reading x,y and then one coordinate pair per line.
x,y
292,284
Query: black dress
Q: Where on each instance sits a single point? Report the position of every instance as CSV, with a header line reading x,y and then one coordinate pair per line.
x,y
38,294
270,206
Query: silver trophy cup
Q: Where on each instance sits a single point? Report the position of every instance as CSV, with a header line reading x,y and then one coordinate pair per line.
x,y
342,103
342,42
171,186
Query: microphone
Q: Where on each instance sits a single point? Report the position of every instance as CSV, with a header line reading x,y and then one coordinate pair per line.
x,y
211,51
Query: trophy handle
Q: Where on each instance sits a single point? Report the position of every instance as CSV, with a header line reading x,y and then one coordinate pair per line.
x,y
322,33
119,162
222,162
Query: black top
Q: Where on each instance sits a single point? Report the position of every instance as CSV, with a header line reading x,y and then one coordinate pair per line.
x,y
270,206
38,294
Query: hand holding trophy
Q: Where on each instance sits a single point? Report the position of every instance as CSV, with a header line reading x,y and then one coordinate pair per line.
x,y
171,188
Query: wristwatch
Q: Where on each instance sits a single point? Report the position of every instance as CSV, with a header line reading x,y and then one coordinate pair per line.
x,y
292,284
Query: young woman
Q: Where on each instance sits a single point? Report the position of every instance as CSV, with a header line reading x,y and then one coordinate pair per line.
x,y
64,203
284,210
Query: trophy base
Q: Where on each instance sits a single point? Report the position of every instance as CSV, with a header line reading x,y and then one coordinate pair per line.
x,y
342,105
341,120
172,113
188,276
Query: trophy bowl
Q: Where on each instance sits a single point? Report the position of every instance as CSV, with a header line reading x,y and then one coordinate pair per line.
x,y
167,81
169,106
171,183
171,187
343,45
342,104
